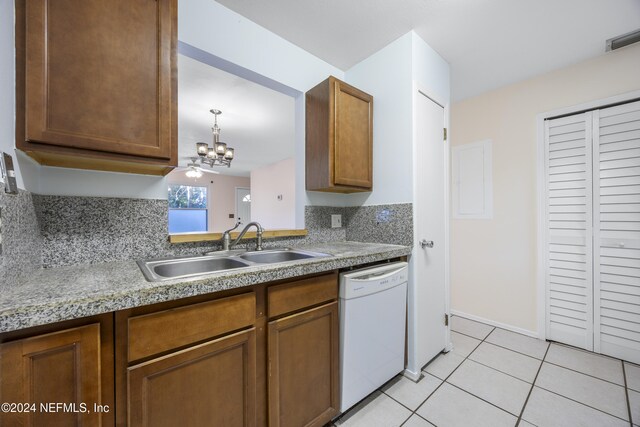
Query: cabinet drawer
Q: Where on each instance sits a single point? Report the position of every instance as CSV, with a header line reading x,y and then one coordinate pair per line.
x,y
211,384
290,297
159,332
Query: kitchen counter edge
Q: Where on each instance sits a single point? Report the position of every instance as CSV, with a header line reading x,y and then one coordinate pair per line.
x,y
58,294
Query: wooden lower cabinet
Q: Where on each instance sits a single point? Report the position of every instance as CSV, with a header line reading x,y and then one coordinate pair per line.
x,y
59,376
261,356
304,368
211,384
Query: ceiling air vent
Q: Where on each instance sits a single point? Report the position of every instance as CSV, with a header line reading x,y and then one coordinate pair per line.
x,y
623,40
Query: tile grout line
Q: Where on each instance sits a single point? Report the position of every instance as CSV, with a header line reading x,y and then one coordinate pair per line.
x,y
533,384
484,400
515,351
542,361
581,403
626,392
443,381
589,352
498,370
471,336
585,374
397,401
478,397
447,377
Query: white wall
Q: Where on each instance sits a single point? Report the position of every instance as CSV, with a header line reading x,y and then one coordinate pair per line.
x,y
221,196
205,25
493,262
210,27
430,70
77,182
7,84
391,75
267,183
387,75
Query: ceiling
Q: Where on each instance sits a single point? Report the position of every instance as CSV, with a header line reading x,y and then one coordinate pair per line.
x,y
489,43
256,121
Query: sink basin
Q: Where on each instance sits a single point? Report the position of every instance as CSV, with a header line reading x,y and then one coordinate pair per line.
x,y
278,255
187,267
156,270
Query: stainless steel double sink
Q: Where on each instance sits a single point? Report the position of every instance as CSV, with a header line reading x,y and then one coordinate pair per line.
x,y
156,270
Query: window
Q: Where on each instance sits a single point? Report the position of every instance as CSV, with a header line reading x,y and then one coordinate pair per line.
x,y
187,208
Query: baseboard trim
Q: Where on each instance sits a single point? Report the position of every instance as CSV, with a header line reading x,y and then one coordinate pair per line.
x,y
496,324
412,375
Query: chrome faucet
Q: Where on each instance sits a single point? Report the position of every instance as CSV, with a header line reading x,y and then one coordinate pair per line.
x,y
227,244
226,236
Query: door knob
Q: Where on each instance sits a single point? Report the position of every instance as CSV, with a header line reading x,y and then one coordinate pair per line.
x,y
426,244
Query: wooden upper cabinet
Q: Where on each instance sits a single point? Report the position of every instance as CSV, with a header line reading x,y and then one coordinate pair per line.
x,y
96,83
339,138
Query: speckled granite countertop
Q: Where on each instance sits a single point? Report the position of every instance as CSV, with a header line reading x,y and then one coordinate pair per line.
x,y
57,294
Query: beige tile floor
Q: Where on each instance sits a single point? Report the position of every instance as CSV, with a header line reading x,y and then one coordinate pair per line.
x,y
494,378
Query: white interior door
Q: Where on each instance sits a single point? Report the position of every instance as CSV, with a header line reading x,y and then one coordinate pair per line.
x,y
616,154
429,286
243,205
569,261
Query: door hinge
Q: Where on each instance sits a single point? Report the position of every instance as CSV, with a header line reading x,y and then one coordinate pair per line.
x,y
446,320
445,133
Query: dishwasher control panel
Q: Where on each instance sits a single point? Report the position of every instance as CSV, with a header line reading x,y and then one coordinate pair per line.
x,y
374,279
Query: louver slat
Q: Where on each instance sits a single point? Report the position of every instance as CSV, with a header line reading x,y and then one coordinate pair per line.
x,y
569,226
616,158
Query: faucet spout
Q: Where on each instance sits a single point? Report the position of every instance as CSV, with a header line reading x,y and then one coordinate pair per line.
x,y
259,231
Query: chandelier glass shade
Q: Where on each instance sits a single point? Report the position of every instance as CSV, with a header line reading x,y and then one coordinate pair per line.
x,y
219,154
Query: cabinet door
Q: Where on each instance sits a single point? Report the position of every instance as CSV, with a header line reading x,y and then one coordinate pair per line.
x,y
62,367
304,368
353,149
211,384
99,74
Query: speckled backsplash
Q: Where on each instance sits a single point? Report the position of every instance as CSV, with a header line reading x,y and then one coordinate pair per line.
x,y
391,224
21,240
88,230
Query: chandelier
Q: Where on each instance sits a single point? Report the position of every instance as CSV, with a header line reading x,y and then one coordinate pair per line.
x,y
219,154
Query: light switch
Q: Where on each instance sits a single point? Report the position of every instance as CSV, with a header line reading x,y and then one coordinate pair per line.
x,y
336,221
8,174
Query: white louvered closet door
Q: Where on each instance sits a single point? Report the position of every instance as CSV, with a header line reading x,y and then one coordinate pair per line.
x,y
569,283
616,176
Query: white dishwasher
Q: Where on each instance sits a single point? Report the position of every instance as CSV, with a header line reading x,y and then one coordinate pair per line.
x,y
373,304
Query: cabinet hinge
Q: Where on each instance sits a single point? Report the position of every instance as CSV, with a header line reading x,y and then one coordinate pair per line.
x,y
446,320
445,133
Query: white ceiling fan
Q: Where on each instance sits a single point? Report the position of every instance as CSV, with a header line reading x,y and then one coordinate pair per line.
x,y
194,169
